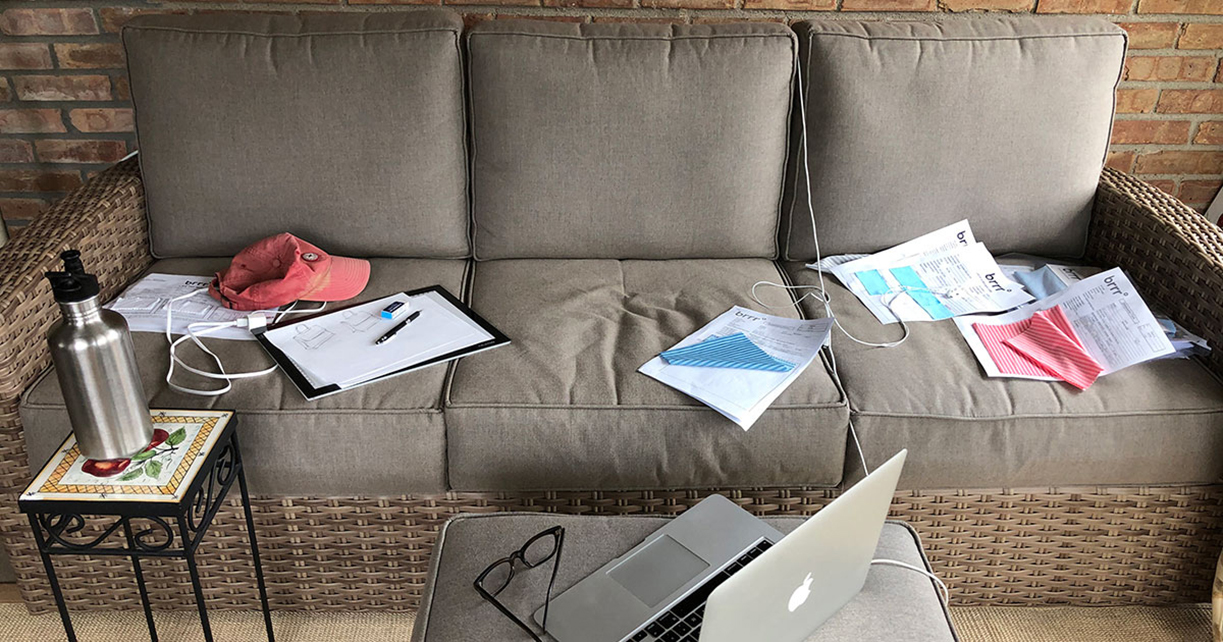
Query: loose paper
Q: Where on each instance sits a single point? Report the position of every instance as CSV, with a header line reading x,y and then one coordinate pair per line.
x,y
143,306
940,275
743,395
1115,326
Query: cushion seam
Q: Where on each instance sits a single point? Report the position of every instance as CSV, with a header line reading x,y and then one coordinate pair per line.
x,y
1097,415
309,34
553,406
555,36
813,34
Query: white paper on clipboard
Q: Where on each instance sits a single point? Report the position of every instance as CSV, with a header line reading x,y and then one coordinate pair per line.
x,y
339,348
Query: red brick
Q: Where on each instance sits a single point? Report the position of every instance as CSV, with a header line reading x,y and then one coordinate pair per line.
x,y
24,55
1164,185
500,3
1136,101
33,180
30,121
1208,7
889,5
791,5
508,16
688,4
121,87
1210,133
1137,132
612,4
988,5
634,20
472,19
1084,6
394,1
1170,68
62,87
1120,161
1180,162
6,94
1191,101
15,151
48,22
1197,192
1202,36
80,151
102,120
102,55
113,18
1151,35
22,208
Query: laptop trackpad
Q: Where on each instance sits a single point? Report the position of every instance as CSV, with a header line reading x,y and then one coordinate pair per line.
x,y
657,570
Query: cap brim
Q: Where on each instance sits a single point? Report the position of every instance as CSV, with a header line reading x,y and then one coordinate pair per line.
x,y
346,279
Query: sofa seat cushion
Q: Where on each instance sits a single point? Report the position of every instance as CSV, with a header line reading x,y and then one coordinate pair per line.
x,y
1159,422
563,406
386,438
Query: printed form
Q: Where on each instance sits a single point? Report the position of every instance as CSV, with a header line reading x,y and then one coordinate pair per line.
x,y
143,306
1116,327
743,395
940,275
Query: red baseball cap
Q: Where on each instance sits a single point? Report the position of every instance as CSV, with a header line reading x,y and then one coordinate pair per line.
x,y
282,269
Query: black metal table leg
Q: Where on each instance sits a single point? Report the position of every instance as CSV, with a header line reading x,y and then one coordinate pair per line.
x,y
189,554
144,590
250,532
55,589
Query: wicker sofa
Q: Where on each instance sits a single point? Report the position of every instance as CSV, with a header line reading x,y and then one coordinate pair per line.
x,y
598,192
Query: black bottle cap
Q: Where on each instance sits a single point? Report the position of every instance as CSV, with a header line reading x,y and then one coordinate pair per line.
x,y
73,285
72,261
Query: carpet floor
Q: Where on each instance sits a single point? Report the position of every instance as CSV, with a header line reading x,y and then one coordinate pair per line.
x,y
994,624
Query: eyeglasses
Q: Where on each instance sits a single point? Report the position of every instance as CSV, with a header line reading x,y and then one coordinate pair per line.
x,y
538,550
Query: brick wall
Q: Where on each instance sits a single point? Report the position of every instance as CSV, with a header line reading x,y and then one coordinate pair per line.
x,y
65,112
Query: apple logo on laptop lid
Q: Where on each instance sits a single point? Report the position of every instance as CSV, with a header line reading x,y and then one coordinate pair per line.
x,y
800,594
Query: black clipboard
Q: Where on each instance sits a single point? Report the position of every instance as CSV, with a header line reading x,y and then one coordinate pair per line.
x,y
311,393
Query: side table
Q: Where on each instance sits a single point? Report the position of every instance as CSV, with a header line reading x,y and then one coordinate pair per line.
x,y
162,499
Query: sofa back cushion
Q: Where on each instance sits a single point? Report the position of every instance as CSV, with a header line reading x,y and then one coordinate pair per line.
x,y
346,130
915,125
628,141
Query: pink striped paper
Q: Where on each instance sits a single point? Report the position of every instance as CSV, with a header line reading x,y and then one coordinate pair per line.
x,y
1054,345
1044,345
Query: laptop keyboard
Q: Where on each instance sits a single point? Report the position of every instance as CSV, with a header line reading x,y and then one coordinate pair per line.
x,y
682,622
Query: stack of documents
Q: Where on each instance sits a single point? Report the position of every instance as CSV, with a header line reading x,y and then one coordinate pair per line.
x,y
741,394
143,305
940,275
1104,313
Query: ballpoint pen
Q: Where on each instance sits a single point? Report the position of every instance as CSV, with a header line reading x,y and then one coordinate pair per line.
x,y
391,333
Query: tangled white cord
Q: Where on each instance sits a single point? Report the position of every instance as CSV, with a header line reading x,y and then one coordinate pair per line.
x,y
255,319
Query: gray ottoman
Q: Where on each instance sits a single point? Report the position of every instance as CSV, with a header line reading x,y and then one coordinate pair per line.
x,y
897,605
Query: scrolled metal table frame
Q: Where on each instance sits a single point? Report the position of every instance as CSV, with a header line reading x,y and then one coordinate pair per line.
x,y
149,530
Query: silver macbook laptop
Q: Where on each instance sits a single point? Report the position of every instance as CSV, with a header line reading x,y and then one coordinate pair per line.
x,y
719,574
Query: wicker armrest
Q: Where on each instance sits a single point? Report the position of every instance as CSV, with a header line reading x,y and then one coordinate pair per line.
x,y
105,220
1171,252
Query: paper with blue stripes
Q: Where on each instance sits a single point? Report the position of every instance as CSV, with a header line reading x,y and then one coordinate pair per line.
x,y
731,351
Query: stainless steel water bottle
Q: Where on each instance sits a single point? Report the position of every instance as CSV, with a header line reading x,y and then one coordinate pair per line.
x,y
96,364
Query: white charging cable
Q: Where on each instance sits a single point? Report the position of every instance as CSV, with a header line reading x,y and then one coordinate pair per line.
x,y
252,321
905,565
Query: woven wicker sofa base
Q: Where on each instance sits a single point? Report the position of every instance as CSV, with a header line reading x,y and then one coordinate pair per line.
x,y
1099,546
